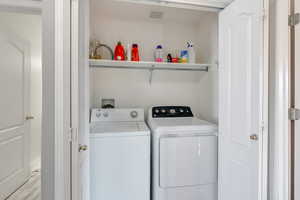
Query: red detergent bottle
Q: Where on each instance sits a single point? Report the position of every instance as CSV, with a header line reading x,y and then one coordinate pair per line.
x,y
119,52
135,53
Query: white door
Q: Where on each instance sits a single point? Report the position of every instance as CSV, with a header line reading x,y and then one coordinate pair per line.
x,y
80,100
14,107
241,101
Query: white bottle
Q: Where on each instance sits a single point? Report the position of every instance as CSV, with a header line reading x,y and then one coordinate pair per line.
x,y
128,52
192,55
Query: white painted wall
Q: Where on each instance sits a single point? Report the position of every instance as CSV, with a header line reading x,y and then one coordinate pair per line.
x,y
112,22
28,27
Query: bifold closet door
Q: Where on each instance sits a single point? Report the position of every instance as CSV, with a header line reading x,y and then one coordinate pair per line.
x,y
80,99
241,106
14,111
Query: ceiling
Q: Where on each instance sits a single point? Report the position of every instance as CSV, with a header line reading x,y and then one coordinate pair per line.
x,y
212,5
114,9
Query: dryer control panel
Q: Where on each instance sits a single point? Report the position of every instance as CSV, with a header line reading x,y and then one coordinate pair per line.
x,y
171,111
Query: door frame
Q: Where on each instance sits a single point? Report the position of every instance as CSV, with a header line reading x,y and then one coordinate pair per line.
x,y
56,155
279,151
55,173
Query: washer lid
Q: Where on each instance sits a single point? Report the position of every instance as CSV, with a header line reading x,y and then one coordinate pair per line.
x,y
101,129
181,124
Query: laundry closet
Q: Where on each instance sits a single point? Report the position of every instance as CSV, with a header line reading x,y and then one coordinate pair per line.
x,y
150,26
225,85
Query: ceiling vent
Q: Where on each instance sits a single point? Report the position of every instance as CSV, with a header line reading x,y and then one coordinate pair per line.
x,y
156,15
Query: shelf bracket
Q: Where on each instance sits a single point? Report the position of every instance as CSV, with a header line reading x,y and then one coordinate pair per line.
x,y
151,74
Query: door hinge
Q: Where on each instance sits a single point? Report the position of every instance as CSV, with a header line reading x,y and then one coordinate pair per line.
x,y
70,135
264,14
262,126
294,114
294,19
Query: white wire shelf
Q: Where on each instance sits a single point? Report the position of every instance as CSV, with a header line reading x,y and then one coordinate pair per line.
x,y
149,65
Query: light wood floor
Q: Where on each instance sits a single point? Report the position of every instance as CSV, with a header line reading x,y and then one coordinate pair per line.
x,y
31,190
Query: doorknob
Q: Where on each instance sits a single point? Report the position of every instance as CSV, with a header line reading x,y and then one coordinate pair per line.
x,y
29,117
253,137
83,148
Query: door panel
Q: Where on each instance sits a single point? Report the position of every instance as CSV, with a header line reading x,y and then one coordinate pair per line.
x,y
11,85
14,105
188,161
241,86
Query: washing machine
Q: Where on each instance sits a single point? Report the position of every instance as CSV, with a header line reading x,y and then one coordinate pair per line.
x,y
184,155
119,155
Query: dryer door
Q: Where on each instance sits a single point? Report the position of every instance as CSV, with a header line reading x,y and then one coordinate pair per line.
x,y
188,161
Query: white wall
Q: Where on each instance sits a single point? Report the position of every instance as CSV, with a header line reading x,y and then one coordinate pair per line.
x,y
28,27
131,24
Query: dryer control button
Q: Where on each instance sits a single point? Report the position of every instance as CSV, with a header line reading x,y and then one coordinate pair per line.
x,y
172,111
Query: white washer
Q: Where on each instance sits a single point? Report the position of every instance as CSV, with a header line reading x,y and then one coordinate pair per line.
x,y
184,155
119,155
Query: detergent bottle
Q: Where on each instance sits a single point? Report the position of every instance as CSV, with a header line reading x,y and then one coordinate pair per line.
x,y
135,53
119,52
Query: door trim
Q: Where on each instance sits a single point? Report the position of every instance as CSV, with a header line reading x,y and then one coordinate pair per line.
x,y
56,178
279,177
292,99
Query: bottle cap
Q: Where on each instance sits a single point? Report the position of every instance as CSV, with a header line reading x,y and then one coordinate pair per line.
x,y
159,47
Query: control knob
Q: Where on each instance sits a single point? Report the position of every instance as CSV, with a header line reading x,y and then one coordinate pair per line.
x,y
134,114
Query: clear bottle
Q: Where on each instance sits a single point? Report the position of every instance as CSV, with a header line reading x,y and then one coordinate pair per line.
x,y
191,53
159,54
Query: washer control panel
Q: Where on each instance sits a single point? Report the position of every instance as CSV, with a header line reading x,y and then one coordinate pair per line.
x,y
111,115
171,111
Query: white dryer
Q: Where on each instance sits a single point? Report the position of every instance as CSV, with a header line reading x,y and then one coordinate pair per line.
x,y
119,155
184,155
